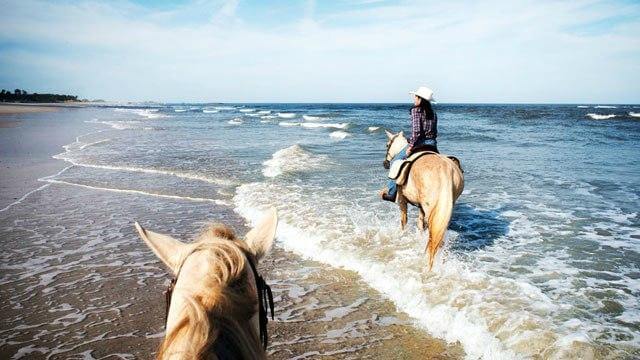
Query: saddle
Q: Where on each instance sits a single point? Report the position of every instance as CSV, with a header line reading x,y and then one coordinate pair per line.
x,y
399,170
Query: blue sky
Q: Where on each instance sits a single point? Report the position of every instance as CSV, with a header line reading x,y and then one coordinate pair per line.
x,y
580,51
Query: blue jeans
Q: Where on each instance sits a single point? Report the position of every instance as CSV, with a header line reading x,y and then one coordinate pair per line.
x,y
392,188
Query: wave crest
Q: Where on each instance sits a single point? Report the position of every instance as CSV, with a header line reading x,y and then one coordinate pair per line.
x,y
292,159
600,116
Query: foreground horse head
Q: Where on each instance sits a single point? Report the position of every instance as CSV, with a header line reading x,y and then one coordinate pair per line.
x,y
215,310
433,185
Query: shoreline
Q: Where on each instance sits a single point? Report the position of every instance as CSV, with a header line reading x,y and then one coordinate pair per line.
x,y
321,311
7,108
28,140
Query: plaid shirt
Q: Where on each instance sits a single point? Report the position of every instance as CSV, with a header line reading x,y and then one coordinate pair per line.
x,y
421,127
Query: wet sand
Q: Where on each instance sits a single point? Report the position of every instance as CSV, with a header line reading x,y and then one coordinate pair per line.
x,y
78,283
27,142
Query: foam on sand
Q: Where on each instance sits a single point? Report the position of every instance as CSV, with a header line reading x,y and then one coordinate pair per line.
x,y
285,115
324,125
292,159
138,192
339,135
67,156
600,116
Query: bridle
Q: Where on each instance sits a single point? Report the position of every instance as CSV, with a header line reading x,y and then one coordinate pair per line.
x,y
387,159
265,297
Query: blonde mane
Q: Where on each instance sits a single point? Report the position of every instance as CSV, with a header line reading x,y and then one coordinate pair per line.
x,y
216,318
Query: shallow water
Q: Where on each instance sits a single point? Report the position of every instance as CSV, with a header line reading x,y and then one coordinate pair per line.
x,y
542,258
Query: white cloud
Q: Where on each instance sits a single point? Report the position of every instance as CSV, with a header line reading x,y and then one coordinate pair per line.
x,y
496,51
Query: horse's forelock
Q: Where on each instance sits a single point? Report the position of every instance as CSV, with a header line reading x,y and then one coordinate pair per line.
x,y
212,232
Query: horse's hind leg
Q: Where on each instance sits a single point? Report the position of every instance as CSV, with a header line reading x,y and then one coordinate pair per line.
x,y
422,221
402,204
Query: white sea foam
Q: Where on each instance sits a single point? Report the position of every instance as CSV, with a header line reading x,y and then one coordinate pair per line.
x,y
180,174
582,106
138,192
339,135
292,159
224,107
247,110
288,123
122,125
605,107
178,110
302,231
600,116
210,111
93,143
235,121
286,115
21,199
268,117
264,112
311,118
373,128
325,125
634,114
147,113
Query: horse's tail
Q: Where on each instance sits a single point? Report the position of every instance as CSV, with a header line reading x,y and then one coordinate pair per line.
x,y
439,218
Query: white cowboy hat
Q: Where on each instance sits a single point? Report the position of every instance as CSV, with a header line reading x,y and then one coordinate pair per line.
x,y
424,92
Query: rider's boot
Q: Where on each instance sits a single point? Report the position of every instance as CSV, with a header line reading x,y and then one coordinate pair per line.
x,y
385,196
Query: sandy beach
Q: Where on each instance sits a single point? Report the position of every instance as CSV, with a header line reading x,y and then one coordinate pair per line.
x,y
25,108
81,284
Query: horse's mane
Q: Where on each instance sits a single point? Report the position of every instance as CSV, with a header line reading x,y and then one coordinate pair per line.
x,y
216,322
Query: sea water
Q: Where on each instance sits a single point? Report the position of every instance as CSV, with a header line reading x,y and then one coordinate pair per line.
x,y
543,253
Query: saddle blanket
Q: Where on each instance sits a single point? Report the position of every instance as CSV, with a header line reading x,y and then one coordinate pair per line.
x,y
399,169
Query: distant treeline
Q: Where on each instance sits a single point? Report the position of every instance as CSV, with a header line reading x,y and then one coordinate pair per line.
x,y
22,96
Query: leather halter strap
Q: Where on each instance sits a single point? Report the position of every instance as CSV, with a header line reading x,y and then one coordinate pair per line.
x,y
393,138
265,297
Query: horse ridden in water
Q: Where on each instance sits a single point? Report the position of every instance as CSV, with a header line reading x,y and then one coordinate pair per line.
x,y
433,185
217,301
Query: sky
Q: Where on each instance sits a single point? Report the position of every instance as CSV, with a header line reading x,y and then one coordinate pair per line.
x,y
495,51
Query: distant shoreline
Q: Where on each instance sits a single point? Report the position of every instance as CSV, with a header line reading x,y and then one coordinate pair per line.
x,y
22,108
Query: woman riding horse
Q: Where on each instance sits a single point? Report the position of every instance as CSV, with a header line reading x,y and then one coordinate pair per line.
x,y
424,130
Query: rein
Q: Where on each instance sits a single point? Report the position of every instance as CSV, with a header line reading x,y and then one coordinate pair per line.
x,y
265,299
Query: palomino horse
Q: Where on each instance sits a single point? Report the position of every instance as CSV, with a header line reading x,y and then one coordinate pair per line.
x,y
216,303
433,185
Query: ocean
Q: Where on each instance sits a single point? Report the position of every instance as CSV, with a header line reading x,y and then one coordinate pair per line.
x,y
542,257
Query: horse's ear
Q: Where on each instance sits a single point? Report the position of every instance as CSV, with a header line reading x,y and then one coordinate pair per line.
x,y
389,134
401,134
166,248
260,238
